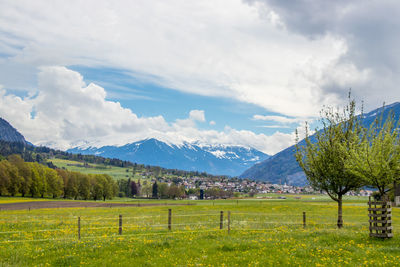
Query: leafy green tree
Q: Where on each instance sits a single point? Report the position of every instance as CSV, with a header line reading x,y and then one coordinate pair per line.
x,y
71,188
15,179
4,178
96,187
155,190
24,171
163,190
147,190
134,189
36,180
65,178
54,182
42,185
127,187
84,187
175,191
325,159
103,187
157,171
377,162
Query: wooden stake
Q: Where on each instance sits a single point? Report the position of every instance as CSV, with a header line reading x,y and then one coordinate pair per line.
x,y
79,228
120,225
169,219
304,219
221,220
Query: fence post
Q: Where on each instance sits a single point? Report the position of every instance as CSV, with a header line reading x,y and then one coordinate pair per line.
x,y
229,222
304,219
79,228
120,225
221,220
169,219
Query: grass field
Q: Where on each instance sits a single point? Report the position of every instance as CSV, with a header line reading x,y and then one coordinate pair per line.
x,y
113,171
263,232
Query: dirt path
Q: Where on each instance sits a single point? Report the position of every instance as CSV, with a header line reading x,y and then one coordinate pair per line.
x,y
75,204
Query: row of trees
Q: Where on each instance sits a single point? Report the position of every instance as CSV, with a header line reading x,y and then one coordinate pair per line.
x,y
345,155
158,190
18,177
130,188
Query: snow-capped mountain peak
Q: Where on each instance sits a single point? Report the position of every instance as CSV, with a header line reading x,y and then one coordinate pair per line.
x,y
214,159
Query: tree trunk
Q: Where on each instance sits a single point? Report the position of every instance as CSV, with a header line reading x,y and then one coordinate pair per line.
x,y
340,214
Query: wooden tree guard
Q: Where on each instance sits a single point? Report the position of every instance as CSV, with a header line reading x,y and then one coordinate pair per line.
x,y
380,218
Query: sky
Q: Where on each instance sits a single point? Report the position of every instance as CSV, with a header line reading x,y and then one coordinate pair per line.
x,y
235,72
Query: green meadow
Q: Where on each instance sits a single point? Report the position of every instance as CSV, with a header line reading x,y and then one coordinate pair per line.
x,y
115,172
263,232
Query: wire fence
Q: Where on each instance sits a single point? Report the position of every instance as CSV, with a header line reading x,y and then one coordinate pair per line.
x,y
69,228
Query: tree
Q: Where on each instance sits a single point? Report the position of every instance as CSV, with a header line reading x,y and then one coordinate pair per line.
x,y
134,189
324,159
127,187
4,178
42,185
54,182
175,191
147,190
71,187
139,188
155,190
109,187
163,190
83,186
64,176
36,180
157,171
96,186
15,179
377,162
24,171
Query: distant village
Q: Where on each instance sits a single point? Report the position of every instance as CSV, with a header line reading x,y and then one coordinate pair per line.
x,y
236,185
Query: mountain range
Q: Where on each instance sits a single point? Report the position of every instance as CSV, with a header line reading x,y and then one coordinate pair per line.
x,y
9,133
213,159
283,168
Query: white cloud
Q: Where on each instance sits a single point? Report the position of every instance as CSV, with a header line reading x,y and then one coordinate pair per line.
x,y
221,48
288,57
212,123
197,115
68,112
369,63
280,119
274,126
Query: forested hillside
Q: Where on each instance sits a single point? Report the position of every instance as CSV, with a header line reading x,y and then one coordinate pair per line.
x,y
32,179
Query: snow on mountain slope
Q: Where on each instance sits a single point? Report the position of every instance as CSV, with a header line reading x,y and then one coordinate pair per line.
x,y
213,159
